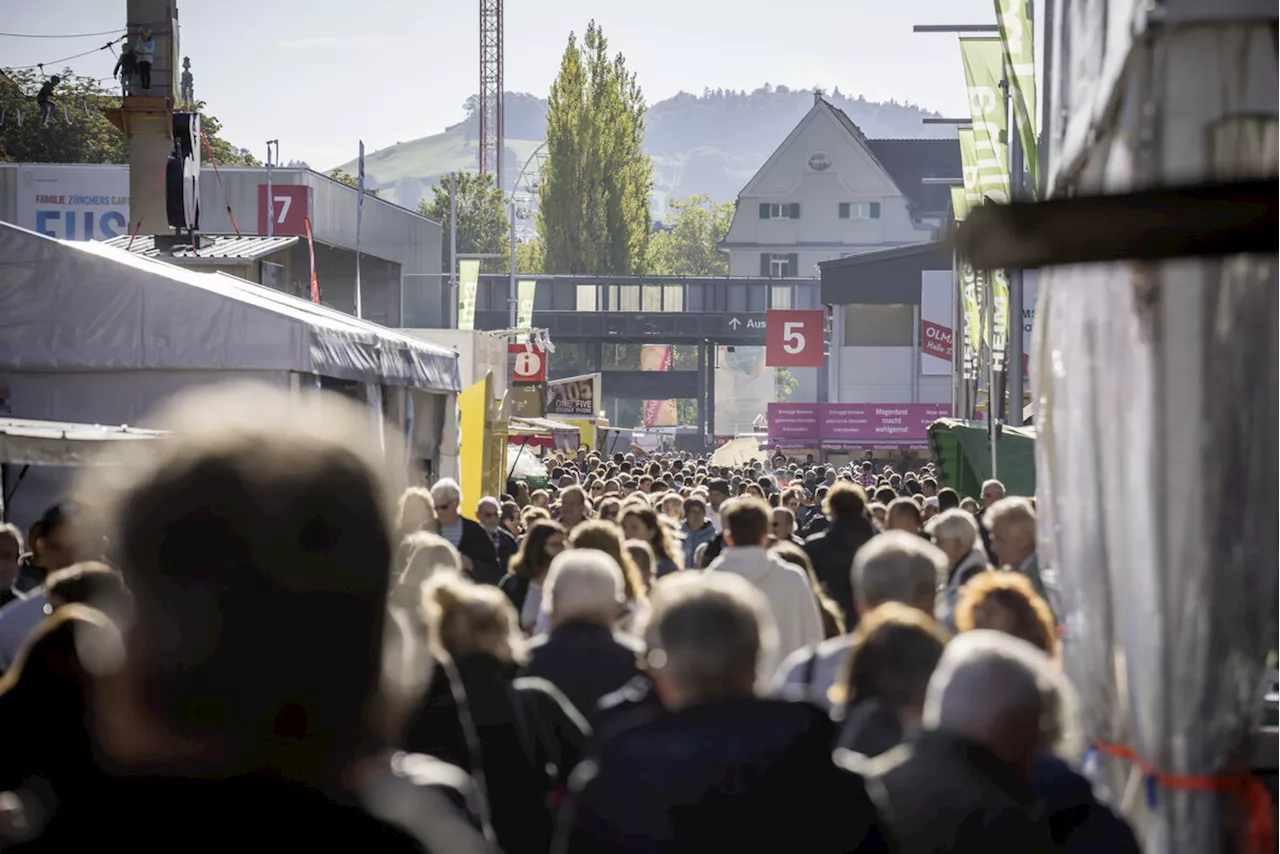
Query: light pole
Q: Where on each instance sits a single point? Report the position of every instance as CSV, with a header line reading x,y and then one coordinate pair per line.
x,y
271,203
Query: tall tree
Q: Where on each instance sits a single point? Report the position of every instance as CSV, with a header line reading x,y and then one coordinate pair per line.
x,y
77,131
593,213
688,243
337,174
483,227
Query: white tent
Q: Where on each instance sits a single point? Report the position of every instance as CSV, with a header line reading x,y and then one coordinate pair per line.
x,y
57,443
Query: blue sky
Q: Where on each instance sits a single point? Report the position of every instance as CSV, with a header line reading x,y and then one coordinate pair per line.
x,y
320,74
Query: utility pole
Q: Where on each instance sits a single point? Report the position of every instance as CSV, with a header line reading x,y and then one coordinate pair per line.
x,y
271,202
453,251
515,298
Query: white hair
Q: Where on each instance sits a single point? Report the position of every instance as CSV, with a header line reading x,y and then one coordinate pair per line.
x,y
985,676
584,584
446,491
1014,511
489,500
898,567
955,526
993,482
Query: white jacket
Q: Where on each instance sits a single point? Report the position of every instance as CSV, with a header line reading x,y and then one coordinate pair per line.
x,y
795,610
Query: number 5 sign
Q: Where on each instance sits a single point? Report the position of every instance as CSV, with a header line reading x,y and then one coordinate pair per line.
x,y
290,203
793,339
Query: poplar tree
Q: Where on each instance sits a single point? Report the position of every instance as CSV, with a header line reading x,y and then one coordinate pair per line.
x,y
593,211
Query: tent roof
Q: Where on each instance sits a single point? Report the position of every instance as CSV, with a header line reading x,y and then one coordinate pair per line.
x,y
60,443
222,249
87,306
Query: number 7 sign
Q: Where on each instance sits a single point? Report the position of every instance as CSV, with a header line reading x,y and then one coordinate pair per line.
x,y
290,203
793,339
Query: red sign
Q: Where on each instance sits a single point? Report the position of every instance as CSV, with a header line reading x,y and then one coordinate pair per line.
x,y
531,363
291,203
793,339
937,339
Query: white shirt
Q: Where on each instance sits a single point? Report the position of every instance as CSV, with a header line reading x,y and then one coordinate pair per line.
x,y
795,609
452,533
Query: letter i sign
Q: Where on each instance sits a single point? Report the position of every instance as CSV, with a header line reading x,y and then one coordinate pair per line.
x,y
794,338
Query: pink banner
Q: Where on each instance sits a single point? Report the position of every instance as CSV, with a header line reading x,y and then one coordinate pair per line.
x,y
854,423
936,340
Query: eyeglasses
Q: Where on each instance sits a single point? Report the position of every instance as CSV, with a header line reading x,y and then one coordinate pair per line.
x,y
444,506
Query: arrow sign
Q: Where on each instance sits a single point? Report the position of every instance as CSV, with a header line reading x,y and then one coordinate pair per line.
x,y
735,323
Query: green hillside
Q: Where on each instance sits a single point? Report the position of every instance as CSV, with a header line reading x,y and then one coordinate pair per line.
x,y
710,143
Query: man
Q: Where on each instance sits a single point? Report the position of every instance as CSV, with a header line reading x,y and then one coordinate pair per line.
x,y
956,533
783,526
255,541
833,550
10,554
717,494
478,555
892,567
992,491
573,507
489,513
785,588
962,786
716,768
929,487
1012,523
582,655
58,549
903,515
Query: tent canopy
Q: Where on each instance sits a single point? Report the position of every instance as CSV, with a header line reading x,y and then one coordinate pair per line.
x,y
59,443
963,451
87,306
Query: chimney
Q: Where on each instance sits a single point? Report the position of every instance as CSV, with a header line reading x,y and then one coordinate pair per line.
x,y
817,97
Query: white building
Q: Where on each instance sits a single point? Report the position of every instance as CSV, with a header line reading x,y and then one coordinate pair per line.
x,y
829,192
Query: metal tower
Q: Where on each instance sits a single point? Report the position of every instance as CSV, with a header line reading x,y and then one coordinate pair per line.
x,y
491,135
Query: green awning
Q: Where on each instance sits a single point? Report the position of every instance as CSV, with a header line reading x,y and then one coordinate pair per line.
x,y
963,452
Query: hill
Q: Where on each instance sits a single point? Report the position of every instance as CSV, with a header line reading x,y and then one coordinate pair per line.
x,y
710,143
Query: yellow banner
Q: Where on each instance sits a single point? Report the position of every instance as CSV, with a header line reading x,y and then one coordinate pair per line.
x,y
524,294
468,282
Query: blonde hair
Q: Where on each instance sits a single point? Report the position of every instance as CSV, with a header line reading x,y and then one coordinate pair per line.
x,y
464,617
1006,602
607,537
413,499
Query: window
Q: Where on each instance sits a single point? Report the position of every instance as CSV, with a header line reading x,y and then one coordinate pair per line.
x,y
859,210
780,296
776,265
773,210
878,325
672,298
587,299
625,298
651,298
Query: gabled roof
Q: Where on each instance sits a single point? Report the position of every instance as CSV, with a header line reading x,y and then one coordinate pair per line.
x,y
909,161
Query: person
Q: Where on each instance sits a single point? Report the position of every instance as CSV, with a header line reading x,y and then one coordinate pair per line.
x,y
1012,523
1006,602
785,588
145,49
884,678
833,550
575,507
892,567
244,601
523,582
520,736
641,522
716,767
44,98
606,537
126,67
642,556
415,511
464,534
828,610
489,515
425,554
717,495
955,532
962,785
10,554
903,515
783,526
992,491
697,528
582,655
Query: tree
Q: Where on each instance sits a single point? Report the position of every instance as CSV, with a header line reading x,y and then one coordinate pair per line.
x,y
78,132
481,211
688,245
593,213
350,180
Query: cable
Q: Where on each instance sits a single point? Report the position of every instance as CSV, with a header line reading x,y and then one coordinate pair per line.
x,y
57,36
41,65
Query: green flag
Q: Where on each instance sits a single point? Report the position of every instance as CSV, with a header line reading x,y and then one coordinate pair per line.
x,y
969,165
959,204
468,281
972,321
1020,60
524,314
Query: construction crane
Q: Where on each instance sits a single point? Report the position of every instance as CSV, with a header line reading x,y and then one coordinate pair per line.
x,y
491,134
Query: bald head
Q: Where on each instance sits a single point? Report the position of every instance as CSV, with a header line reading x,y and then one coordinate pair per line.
x,y
1000,692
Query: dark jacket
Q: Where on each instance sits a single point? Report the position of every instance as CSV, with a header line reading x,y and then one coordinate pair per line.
x,y
942,793
744,774
633,703
585,662
516,587
832,553
530,739
30,576
1077,821
870,728
488,565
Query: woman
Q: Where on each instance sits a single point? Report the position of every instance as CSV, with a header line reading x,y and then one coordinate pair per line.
x,y
510,519
640,522
673,508
424,554
416,511
523,582
832,616
609,509
697,528
520,738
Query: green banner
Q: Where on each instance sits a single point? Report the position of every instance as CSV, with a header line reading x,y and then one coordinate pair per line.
x,y
972,321
969,167
524,294
1018,40
468,282
959,204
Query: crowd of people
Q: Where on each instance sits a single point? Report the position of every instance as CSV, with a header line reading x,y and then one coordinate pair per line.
x,y
237,640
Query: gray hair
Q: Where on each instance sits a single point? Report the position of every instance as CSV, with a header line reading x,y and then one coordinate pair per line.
x,y
489,500
989,683
955,526
710,632
584,584
446,491
11,530
1013,511
898,567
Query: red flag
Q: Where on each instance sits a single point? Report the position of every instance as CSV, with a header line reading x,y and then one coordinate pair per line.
x,y
311,249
